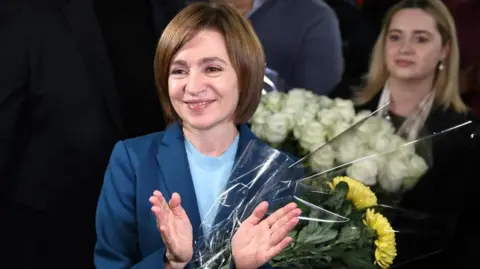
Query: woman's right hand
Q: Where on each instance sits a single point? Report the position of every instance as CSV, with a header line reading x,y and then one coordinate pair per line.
x,y
175,229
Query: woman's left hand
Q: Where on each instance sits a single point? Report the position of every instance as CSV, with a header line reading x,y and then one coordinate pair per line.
x,y
256,242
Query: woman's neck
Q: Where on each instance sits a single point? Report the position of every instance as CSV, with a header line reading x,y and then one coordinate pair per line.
x,y
406,95
213,142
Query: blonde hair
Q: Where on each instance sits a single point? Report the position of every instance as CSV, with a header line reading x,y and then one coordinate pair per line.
x,y
446,83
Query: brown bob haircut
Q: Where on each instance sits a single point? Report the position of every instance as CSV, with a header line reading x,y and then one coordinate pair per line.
x,y
244,49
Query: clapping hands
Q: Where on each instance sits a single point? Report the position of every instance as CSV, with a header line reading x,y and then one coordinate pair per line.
x,y
175,229
257,241
254,244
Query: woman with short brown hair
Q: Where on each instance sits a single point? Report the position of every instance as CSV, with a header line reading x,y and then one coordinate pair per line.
x,y
209,72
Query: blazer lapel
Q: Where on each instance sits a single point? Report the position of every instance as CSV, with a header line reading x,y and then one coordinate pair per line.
x,y
173,163
86,30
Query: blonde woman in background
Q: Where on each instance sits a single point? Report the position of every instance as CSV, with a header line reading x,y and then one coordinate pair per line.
x,y
415,68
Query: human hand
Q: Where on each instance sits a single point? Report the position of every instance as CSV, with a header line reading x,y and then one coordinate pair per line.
x,y
256,242
175,229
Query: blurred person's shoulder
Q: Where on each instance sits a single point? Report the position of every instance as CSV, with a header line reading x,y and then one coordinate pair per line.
x,y
317,8
308,8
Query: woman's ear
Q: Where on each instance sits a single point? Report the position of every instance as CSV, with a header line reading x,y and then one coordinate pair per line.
x,y
445,51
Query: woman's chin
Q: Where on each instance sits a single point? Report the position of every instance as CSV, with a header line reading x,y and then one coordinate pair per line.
x,y
202,124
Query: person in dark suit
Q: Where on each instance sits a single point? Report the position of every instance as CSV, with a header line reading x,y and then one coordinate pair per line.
x,y
209,73
414,68
60,116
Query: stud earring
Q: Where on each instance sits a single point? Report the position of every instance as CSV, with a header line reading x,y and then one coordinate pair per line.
x,y
440,66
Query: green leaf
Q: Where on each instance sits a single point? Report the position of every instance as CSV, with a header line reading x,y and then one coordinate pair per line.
x,y
349,233
359,259
339,195
316,233
323,237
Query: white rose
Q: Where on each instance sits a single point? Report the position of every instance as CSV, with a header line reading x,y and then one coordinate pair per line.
x,y
258,130
375,125
312,106
345,113
295,98
365,171
312,135
327,117
349,148
322,159
260,114
338,102
324,101
274,101
394,173
384,126
403,149
417,167
296,93
344,108
361,115
297,131
382,143
291,114
276,128
337,129
304,117
379,159
308,95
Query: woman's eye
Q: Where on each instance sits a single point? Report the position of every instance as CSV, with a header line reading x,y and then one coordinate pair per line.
x,y
393,37
177,72
212,69
421,39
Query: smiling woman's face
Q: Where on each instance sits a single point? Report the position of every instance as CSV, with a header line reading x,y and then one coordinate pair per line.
x,y
413,48
202,83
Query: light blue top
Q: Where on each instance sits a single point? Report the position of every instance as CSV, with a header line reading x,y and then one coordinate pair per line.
x,y
210,176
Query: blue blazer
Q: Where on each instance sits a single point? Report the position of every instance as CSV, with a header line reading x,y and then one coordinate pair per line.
x,y
127,235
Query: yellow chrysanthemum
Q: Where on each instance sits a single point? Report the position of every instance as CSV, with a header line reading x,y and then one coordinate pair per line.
x,y
360,195
386,250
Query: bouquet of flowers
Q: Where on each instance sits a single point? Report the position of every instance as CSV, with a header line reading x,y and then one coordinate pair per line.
x,y
346,160
300,121
342,223
366,240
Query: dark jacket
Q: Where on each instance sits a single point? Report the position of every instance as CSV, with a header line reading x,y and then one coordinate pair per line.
x,y
60,107
126,228
302,42
446,193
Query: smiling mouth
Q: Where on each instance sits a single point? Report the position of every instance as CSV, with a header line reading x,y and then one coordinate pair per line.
x,y
198,105
404,63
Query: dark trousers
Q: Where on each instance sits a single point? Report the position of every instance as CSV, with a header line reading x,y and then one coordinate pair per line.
x,y
61,236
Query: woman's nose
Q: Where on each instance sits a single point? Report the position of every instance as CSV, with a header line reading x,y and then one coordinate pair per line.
x,y
195,83
406,47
